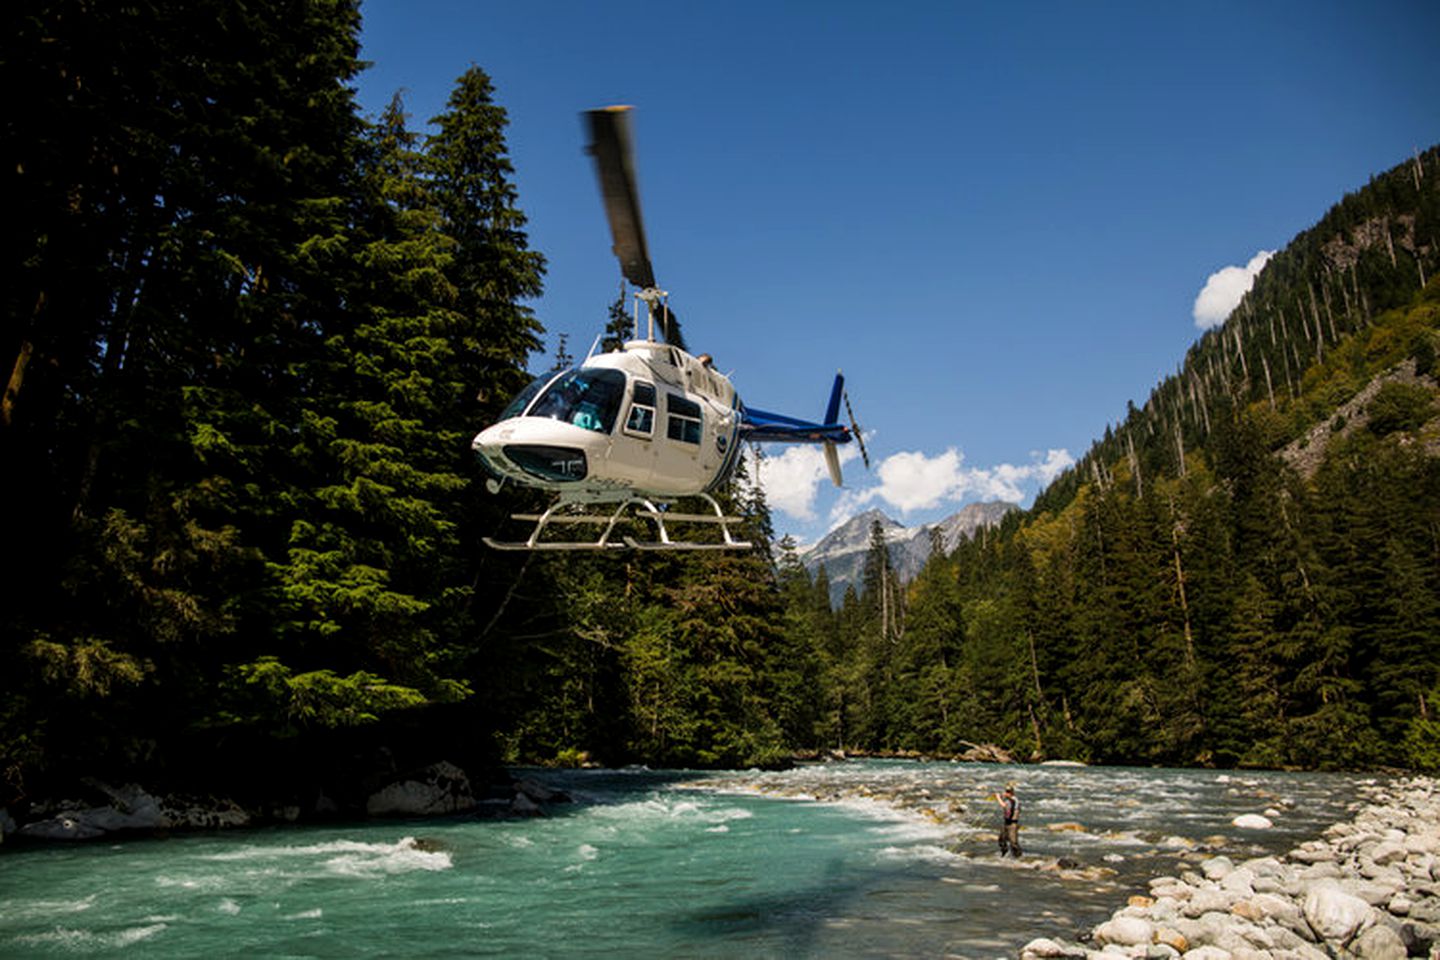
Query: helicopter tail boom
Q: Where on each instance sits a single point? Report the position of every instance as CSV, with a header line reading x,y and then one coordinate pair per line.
x,y
764,426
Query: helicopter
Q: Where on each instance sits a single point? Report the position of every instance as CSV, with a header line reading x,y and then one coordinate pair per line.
x,y
627,433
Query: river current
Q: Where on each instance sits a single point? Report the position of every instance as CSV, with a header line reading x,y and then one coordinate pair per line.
x,y
896,859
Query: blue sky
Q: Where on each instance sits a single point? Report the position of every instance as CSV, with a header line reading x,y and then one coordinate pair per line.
x,y
996,218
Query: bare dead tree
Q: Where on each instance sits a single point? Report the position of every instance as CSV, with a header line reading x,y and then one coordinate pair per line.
x,y
1134,465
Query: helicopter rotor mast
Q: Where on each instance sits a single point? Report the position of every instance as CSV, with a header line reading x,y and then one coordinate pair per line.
x,y
612,147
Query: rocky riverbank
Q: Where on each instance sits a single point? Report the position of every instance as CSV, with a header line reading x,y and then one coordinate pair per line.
x,y
1369,888
100,810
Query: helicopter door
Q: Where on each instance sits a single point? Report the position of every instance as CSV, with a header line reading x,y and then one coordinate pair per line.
x,y
678,464
633,453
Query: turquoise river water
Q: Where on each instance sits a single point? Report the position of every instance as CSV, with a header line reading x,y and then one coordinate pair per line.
x,y
666,864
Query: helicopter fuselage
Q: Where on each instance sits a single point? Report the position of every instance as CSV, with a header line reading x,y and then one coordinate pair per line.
x,y
648,420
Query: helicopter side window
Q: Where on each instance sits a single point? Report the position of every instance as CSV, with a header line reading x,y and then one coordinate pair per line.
x,y
684,422
642,410
586,398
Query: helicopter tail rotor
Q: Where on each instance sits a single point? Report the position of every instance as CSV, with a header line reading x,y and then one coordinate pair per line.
x,y
856,432
832,417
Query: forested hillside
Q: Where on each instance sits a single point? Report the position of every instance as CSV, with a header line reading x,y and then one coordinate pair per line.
x,y
1245,570
248,333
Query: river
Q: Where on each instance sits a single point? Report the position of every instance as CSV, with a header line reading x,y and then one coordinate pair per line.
x,y
901,862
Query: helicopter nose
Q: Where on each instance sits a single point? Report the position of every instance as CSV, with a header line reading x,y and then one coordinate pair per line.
x,y
558,464
510,451
488,445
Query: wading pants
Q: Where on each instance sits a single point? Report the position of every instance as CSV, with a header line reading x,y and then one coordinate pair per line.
x,y
1010,838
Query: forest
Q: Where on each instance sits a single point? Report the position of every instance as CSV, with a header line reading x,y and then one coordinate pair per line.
x,y
249,332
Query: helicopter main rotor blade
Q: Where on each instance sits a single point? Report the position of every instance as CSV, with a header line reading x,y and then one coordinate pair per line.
x,y
611,146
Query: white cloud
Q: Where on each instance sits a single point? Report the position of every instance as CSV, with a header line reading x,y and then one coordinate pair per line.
x,y
913,481
1056,462
1223,290
790,479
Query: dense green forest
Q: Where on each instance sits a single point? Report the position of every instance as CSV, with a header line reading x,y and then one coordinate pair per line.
x,y
248,333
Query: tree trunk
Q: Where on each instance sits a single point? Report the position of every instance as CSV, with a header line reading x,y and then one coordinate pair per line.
x,y
17,380
22,361
1180,584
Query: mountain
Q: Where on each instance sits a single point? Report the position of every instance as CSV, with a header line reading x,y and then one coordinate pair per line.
x,y
1374,252
842,550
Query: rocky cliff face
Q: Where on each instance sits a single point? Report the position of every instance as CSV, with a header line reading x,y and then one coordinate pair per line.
x,y
842,551
1308,452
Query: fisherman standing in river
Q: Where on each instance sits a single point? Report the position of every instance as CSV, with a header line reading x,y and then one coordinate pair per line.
x,y
1009,823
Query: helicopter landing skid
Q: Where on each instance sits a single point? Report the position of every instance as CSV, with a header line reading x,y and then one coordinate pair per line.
x,y
645,510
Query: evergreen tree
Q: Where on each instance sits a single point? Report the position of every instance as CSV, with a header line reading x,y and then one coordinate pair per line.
x,y
927,655
372,576
494,269
169,320
619,327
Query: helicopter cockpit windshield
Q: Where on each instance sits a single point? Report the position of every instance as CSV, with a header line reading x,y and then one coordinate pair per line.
x,y
522,399
586,398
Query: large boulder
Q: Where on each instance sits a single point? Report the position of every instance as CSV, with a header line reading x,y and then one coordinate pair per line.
x,y
130,808
1207,952
186,812
986,753
62,827
1379,942
1217,868
1046,949
1334,914
1375,894
1240,880
1282,910
1172,938
1388,851
1313,852
1211,900
439,788
524,806
1125,931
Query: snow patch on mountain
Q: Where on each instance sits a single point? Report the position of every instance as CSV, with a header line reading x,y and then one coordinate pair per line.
x,y
842,551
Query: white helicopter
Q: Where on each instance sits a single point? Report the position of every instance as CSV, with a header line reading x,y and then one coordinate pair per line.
x,y
627,433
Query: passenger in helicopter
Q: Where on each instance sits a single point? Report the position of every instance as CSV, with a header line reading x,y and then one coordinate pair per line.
x,y
589,399
585,417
